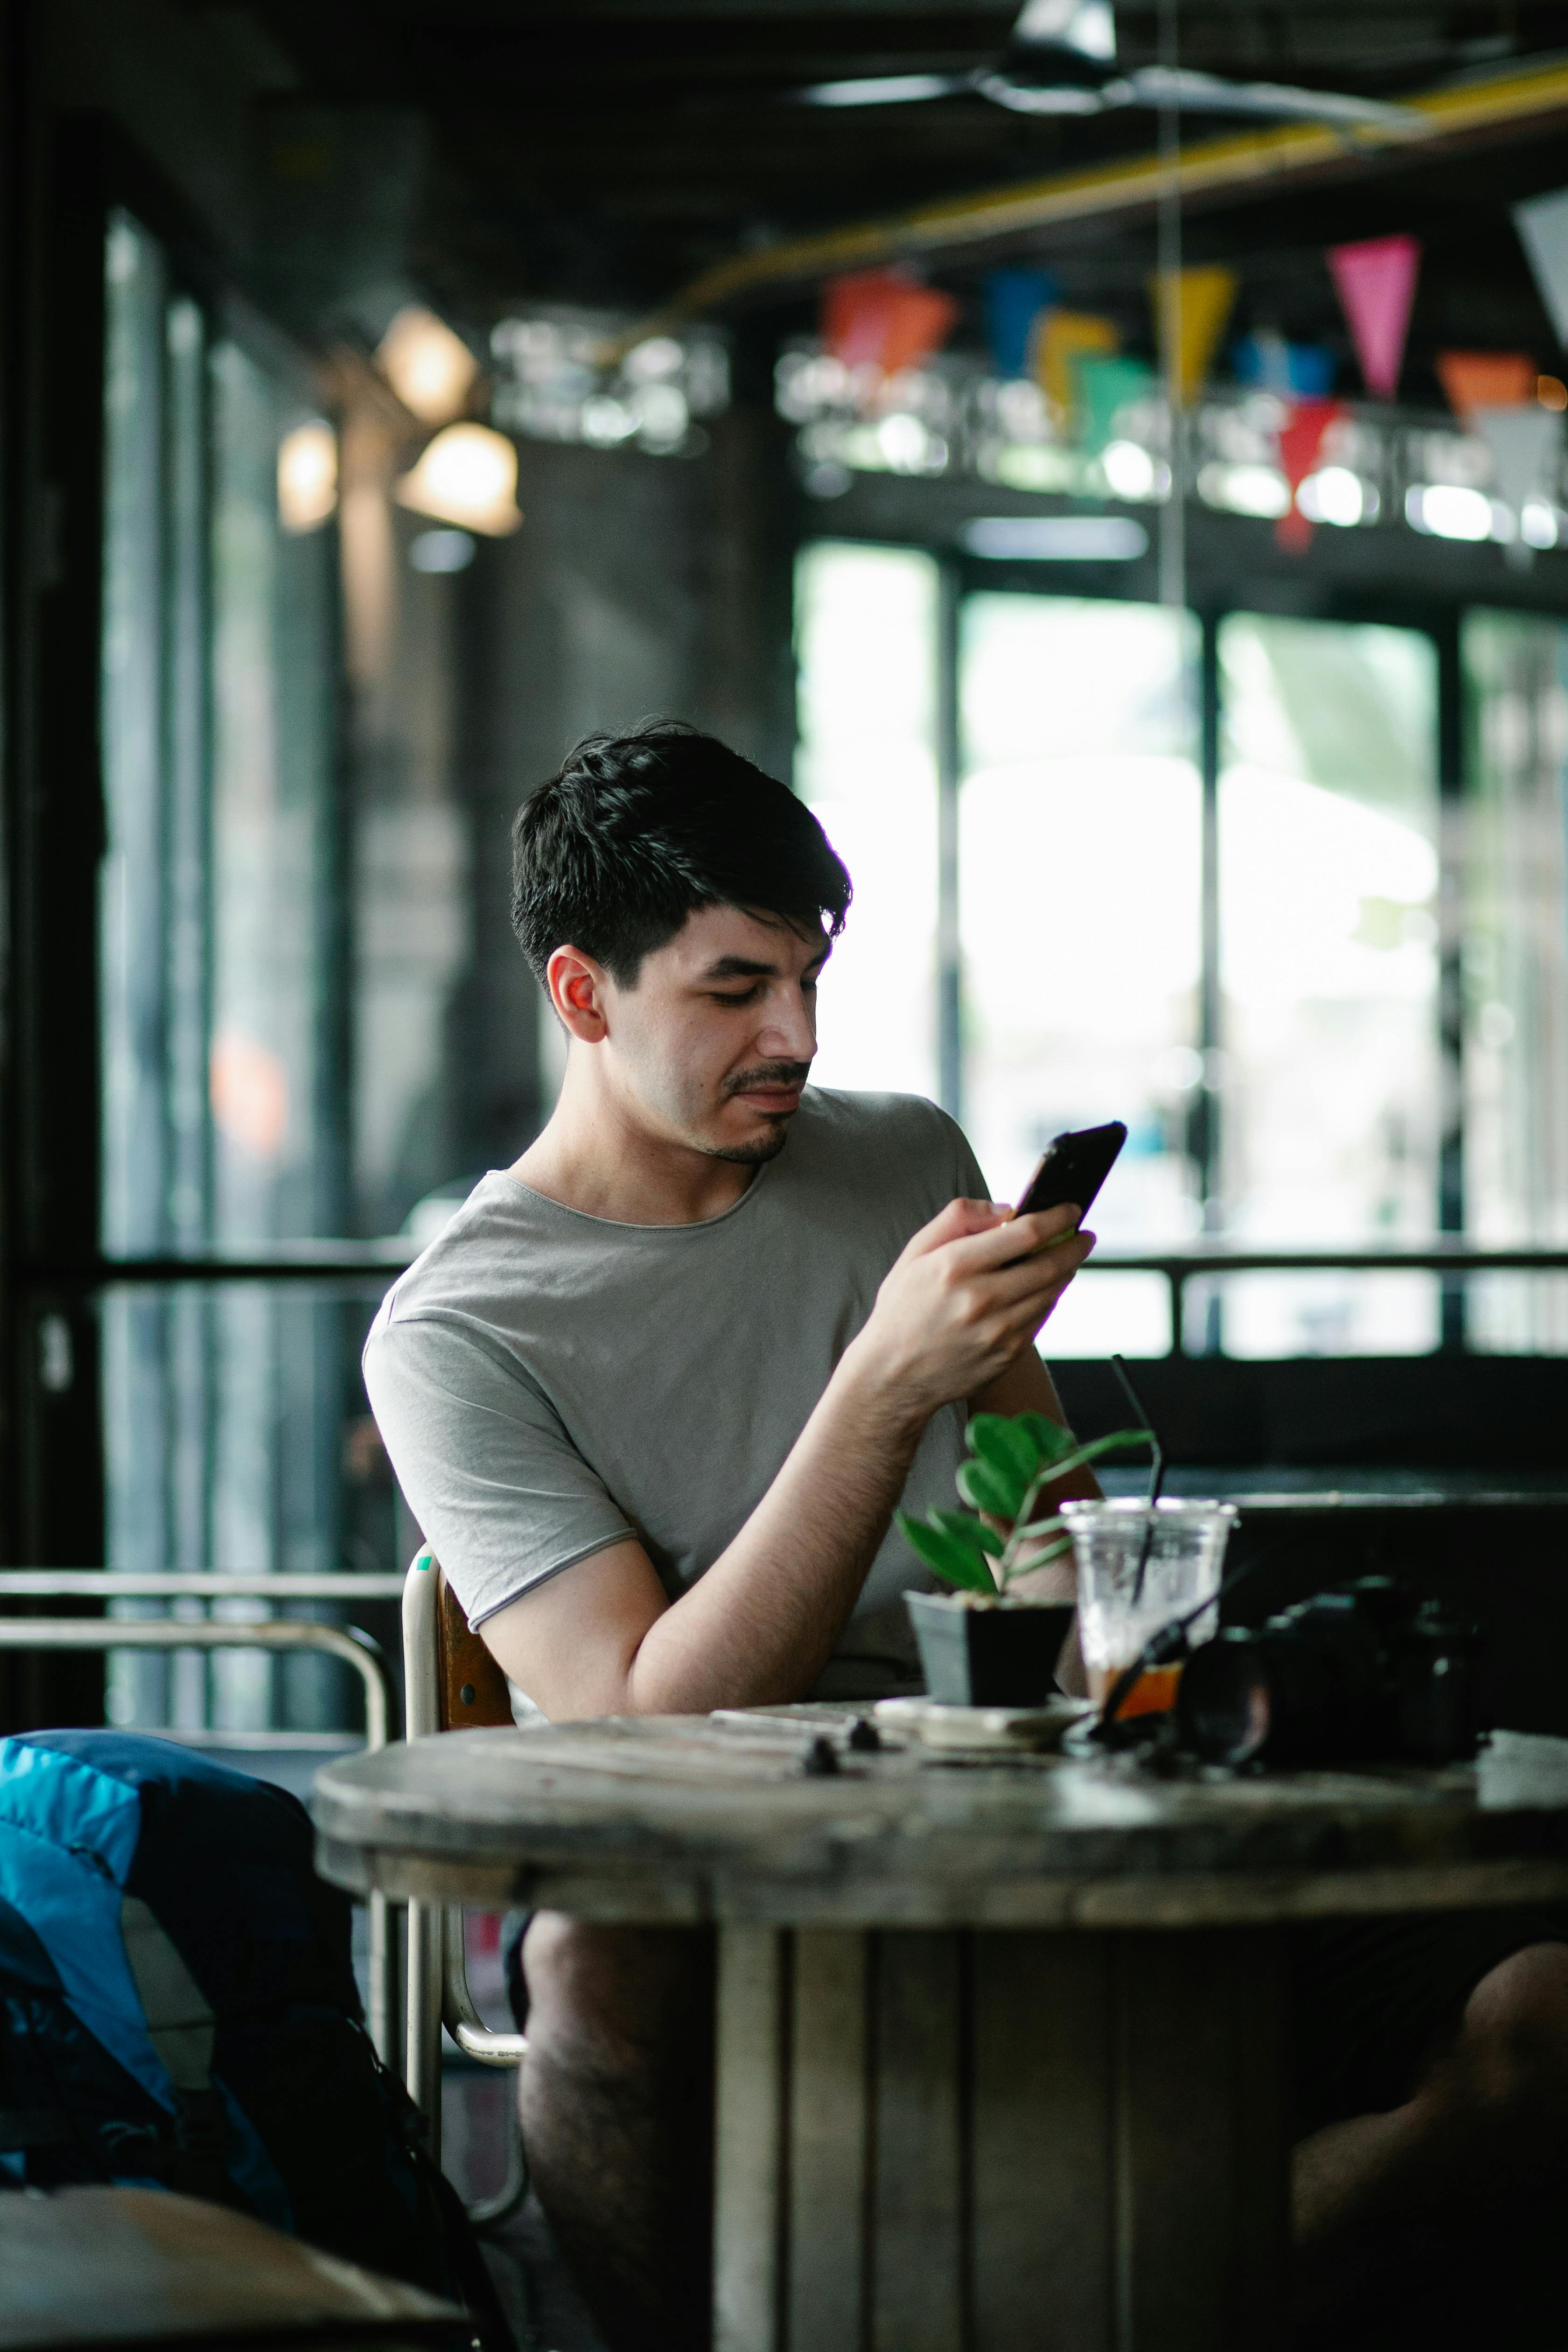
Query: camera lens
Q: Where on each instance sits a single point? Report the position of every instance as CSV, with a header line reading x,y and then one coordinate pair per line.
x,y
1225,1701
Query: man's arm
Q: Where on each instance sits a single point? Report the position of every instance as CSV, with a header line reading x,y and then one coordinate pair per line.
x,y
603,1637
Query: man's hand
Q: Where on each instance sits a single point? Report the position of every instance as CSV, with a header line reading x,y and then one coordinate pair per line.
x,y
968,1293
960,1307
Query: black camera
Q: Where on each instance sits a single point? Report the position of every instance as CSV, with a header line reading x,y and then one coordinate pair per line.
x,y
1362,1672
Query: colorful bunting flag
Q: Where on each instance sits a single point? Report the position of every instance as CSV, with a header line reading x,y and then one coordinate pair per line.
x,y
881,317
1015,300
1105,387
1066,337
1524,442
1375,282
1542,226
1475,380
1270,363
1300,445
1201,299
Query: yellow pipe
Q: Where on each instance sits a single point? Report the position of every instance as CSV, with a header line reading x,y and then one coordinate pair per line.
x,y
1214,164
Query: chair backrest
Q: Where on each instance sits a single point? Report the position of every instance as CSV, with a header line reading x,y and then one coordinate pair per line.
x,y
451,1681
471,1687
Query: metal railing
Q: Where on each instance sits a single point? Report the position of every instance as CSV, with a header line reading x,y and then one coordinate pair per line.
x,y
346,1642
324,1262
1205,1260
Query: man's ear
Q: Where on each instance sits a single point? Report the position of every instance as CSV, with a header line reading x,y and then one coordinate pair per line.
x,y
577,988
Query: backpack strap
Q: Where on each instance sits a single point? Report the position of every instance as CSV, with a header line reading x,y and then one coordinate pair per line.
x,y
181,2028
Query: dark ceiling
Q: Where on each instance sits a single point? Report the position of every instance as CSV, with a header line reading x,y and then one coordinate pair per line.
x,y
607,151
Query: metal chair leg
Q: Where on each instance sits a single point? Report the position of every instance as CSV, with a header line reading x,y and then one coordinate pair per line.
x,y
437,1964
476,2039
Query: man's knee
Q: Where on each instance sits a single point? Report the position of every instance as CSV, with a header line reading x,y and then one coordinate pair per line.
x,y
607,1999
1512,2048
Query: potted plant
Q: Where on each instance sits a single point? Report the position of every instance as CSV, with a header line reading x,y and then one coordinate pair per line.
x,y
987,1644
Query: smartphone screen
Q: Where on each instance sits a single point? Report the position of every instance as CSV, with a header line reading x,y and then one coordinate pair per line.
x,y
1073,1166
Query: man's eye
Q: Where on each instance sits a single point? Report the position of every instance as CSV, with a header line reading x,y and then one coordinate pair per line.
x,y
747,996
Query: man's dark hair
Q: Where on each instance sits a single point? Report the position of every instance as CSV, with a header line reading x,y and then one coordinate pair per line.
x,y
638,831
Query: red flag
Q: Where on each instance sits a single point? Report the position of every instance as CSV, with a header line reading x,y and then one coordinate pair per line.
x,y
880,317
1376,286
1300,441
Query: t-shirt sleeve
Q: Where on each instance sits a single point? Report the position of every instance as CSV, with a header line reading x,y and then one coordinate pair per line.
x,y
500,1493
968,1182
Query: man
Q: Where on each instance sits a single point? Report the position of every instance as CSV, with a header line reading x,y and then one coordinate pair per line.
x,y
653,1396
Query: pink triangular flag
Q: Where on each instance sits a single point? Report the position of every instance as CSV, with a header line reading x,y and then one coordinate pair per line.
x,y
1376,284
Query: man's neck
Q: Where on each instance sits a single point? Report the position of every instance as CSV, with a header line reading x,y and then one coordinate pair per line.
x,y
594,1158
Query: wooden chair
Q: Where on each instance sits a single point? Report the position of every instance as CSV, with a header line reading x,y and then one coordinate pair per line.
x,y
451,1683
87,2268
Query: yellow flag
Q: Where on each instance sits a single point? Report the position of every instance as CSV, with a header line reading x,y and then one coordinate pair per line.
x,y
1205,297
1066,336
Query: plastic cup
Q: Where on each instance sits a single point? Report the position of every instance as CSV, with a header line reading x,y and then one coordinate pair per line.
x,y
1187,1554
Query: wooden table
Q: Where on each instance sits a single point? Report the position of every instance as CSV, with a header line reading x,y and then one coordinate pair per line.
x,y
1002,2056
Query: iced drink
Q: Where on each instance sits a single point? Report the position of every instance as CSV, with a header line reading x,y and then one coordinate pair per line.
x,y
1119,1610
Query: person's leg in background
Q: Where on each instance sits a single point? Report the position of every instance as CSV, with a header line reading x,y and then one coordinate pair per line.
x,y
1444,2211
617,2120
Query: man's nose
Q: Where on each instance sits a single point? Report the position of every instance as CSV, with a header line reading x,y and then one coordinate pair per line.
x,y
789,1034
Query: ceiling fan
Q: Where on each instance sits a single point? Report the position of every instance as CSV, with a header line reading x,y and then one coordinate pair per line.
x,y
1060,58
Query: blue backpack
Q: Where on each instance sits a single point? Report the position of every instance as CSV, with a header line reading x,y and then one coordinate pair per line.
x,y
178,2010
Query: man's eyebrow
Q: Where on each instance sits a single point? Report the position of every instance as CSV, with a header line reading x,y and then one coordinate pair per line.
x,y
735,967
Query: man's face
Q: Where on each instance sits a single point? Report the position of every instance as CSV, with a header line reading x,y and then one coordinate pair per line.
x,y
716,1039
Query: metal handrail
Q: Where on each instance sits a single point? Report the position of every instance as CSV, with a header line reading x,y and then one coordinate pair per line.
x,y
347,1642
1450,1258
315,1260
1440,1256
346,1585
329,1261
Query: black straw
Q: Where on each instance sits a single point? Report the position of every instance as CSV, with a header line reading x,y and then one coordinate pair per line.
x,y
1156,1473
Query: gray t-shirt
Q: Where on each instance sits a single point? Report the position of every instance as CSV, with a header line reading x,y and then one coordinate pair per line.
x,y
549,1383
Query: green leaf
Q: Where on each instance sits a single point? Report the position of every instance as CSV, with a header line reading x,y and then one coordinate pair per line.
x,y
1069,1462
989,1489
1052,1440
1115,1443
969,1530
955,1562
1006,1445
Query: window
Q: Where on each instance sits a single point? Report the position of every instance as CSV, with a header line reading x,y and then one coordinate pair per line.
x,y
1079,865
1516,968
1248,962
221,1004
1328,874
866,645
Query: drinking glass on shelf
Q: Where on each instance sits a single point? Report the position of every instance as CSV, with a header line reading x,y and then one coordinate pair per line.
x,y
1133,1578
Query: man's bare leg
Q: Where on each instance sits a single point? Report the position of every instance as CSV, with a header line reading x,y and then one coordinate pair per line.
x,y
1453,2182
618,2119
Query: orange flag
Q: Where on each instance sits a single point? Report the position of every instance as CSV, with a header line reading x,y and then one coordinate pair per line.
x,y
1475,380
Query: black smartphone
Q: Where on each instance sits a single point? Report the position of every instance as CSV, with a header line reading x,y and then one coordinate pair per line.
x,y
1073,1166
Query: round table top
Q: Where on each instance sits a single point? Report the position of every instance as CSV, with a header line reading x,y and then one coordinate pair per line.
x,y
684,1819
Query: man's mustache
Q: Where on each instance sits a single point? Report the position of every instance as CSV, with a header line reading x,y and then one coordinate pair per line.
x,y
769,1074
